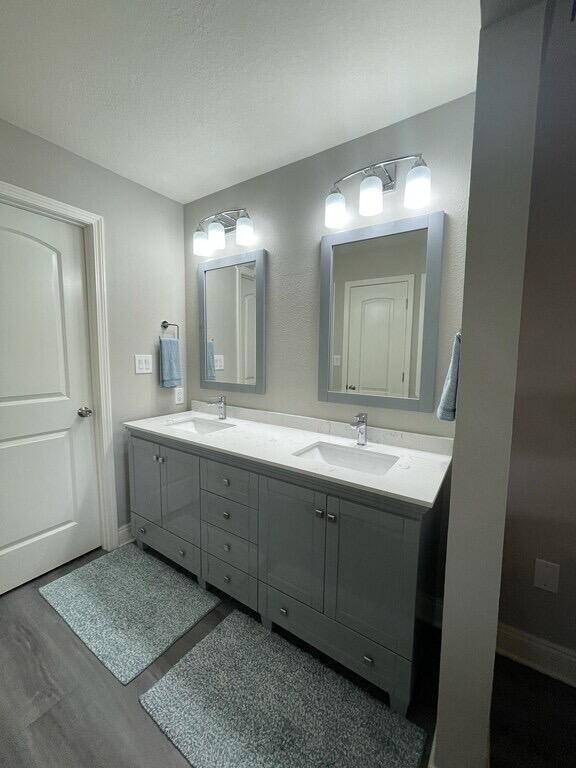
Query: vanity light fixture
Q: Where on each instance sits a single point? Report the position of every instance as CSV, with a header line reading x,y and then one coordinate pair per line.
x,y
211,232
378,178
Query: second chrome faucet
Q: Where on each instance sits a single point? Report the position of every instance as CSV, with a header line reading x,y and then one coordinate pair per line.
x,y
360,423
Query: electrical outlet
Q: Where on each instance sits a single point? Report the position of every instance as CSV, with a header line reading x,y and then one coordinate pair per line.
x,y
178,395
546,575
142,363
218,362
336,361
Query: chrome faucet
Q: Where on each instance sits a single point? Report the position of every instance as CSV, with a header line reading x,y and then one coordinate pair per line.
x,y
360,423
220,402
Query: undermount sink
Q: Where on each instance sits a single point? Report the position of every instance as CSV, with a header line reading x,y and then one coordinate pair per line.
x,y
200,426
357,458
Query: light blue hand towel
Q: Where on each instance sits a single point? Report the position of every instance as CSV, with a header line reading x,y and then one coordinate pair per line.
x,y
446,410
170,369
210,367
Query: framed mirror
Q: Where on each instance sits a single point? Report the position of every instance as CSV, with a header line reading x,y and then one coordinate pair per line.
x,y
231,297
379,314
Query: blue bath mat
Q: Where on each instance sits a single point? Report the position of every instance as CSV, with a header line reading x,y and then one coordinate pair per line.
x,y
128,607
247,698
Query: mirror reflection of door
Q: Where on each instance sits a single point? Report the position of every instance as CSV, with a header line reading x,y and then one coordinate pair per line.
x,y
246,324
377,335
378,305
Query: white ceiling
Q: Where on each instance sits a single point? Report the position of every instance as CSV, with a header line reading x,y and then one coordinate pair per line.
x,y
188,97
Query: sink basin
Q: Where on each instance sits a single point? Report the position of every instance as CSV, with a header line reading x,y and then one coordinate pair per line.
x,y
200,426
357,458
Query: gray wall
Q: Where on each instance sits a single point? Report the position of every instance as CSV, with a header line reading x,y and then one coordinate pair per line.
x,y
287,206
144,260
501,175
541,520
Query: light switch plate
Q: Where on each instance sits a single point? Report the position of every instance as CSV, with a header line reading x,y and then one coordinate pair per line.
x,y
546,575
142,363
218,362
178,395
336,361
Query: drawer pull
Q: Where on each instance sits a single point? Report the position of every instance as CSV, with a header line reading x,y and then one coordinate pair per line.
x,y
331,518
227,547
141,530
226,515
319,512
182,552
284,611
226,482
368,660
227,579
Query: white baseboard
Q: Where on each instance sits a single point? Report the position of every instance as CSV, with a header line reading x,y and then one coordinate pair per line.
x,y
125,534
535,652
553,660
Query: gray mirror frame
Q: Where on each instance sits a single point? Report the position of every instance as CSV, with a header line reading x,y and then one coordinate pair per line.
x,y
434,223
260,257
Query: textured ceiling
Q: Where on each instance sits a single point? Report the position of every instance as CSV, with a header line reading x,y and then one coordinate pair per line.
x,y
190,97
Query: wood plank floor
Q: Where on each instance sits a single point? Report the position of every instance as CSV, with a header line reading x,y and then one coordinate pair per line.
x,y
61,708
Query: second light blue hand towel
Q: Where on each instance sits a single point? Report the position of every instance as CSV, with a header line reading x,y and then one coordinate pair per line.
x,y
170,369
447,406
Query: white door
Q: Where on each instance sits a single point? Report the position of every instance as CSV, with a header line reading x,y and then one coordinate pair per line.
x,y
48,490
377,336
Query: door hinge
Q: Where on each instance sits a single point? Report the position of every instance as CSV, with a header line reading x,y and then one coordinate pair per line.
x,y
406,303
403,374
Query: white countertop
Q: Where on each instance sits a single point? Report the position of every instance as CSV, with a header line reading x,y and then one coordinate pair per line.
x,y
416,477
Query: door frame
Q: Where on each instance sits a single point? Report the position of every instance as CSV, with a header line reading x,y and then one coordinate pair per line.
x,y
348,285
95,262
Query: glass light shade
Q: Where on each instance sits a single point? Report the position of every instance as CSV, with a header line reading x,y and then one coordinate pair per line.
x,y
370,202
335,210
418,185
200,244
216,235
244,231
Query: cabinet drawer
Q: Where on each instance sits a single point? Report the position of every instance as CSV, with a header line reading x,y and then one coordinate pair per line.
x,y
382,667
232,549
230,482
234,582
230,516
182,552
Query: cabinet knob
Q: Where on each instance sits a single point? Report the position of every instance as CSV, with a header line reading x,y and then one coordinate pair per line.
x,y
155,458
161,459
368,660
227,547
141,530
226,515
319,512
284,611
331,518
226,482
182,552
227,579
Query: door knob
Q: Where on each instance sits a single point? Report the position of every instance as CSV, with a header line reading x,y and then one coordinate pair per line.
x,y
84,411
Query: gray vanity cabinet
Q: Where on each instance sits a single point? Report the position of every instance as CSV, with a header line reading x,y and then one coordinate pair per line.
x,y
165,488
292,536
145,485
181,494
371,573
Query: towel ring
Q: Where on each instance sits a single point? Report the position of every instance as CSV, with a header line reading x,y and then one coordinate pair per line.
x,y
165,324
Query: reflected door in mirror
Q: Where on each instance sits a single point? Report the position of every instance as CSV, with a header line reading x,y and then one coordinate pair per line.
x,y
377,334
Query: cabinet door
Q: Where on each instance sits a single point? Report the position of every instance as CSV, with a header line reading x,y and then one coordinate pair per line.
x,y
292,534
145,480
181,494
371,573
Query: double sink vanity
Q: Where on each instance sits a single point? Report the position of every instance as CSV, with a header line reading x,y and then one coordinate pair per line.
x,y
289,516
